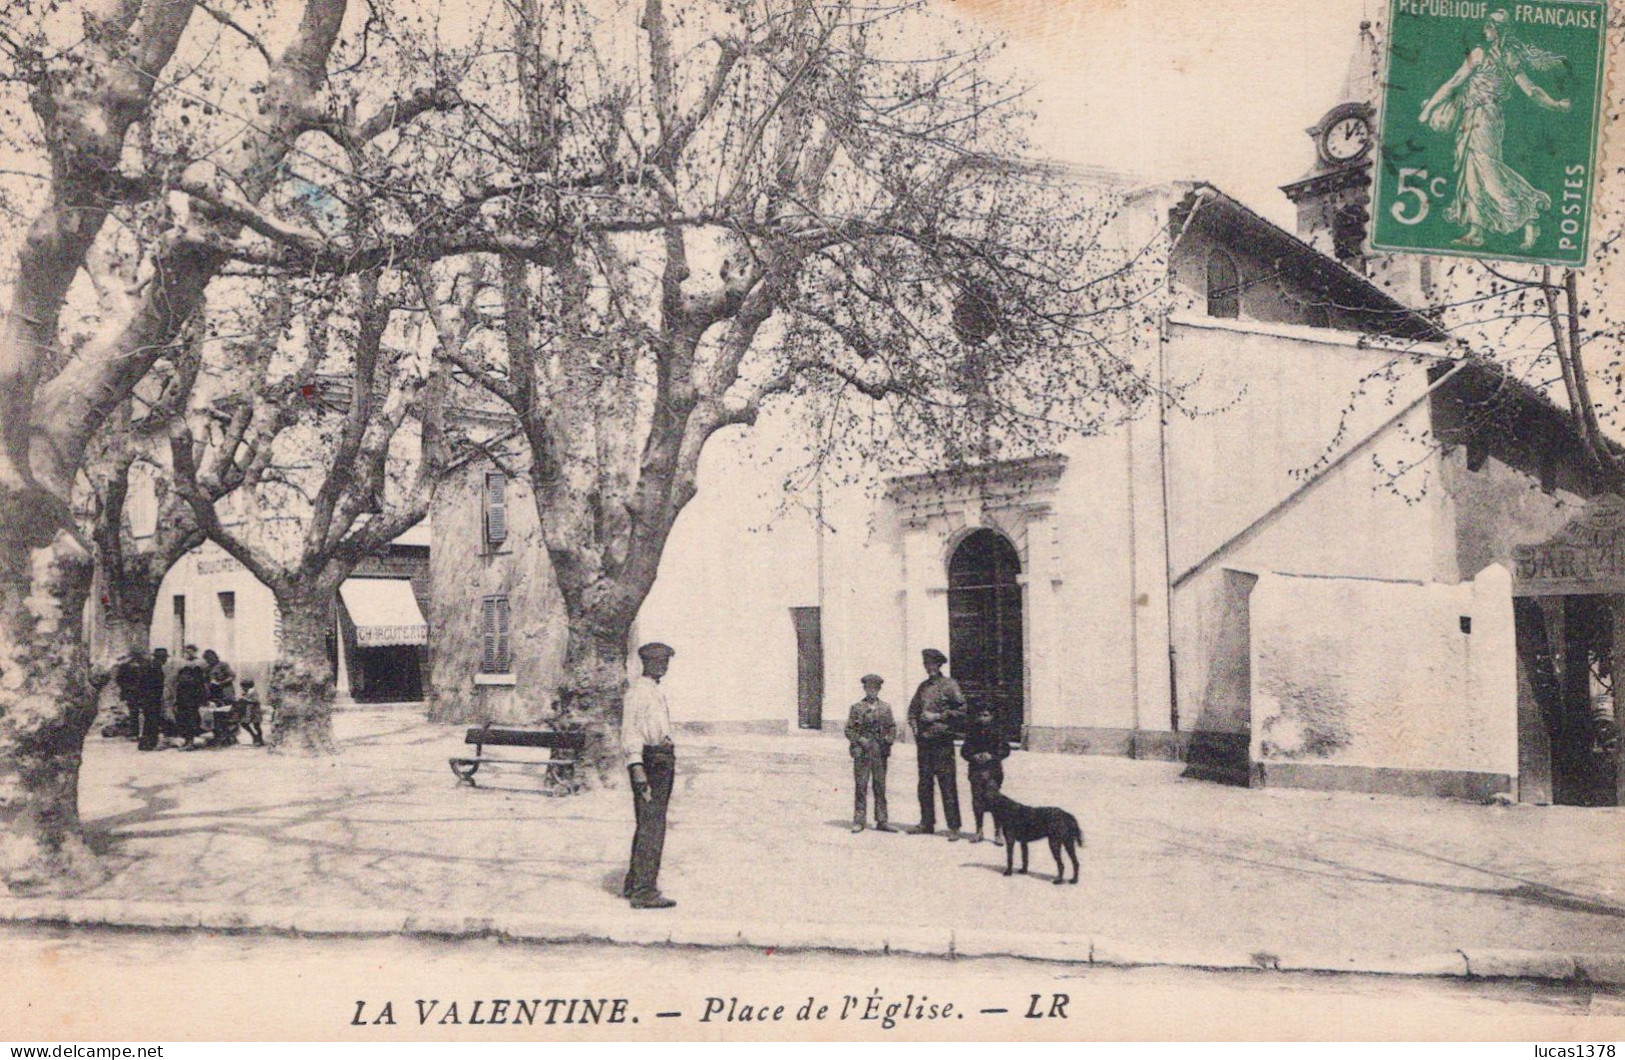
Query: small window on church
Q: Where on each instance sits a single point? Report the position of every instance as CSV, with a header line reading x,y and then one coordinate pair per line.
x,y
1223,287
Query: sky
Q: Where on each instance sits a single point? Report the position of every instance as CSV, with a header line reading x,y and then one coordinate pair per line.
x,y
1181,88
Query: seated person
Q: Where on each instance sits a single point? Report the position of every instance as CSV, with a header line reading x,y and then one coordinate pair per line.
x,y
223,720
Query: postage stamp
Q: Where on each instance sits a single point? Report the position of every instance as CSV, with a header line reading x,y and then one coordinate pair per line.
x,y
1490,116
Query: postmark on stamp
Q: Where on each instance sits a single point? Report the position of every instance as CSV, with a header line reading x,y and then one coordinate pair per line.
x,y
1489,126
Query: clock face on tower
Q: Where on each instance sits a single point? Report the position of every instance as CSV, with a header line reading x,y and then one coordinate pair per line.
x,y
1346,138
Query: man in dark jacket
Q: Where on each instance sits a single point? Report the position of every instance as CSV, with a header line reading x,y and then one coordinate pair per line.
x,y
126,676
149,702
935,714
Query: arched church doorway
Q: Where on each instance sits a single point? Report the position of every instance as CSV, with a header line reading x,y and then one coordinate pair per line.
x,y
984,627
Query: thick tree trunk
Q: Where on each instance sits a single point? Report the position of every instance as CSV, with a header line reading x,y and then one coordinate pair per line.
x,y
301,687
591,694
45,710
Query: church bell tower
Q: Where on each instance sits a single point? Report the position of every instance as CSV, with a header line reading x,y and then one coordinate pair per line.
x,y
1334,197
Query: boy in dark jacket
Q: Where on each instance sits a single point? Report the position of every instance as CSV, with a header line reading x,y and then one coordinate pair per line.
x,y
870,732
984,751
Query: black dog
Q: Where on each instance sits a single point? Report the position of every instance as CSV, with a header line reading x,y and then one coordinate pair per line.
x,y
1023,824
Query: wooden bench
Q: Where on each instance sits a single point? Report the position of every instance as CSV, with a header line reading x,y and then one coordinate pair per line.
x,y
564,750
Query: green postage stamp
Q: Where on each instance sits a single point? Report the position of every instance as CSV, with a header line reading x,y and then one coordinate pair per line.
x,y
1490,116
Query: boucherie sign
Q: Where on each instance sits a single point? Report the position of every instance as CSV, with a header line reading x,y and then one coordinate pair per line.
x,y
1587,556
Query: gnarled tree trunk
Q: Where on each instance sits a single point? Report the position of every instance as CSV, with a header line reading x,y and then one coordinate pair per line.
x,y
593,689
301,690
46,708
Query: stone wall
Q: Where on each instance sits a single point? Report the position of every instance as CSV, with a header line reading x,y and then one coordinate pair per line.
x,y
1384,686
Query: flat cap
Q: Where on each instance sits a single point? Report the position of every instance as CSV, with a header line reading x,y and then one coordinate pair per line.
x,y
872,679
656,650
933,655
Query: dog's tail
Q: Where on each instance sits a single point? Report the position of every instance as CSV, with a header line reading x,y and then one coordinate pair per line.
x,y
1077,832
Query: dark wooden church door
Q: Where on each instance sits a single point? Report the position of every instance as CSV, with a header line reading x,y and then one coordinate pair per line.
x,y
984,627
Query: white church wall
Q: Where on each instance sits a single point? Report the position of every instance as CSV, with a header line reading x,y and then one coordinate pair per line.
x,y
733,567
1098,674
1151,597
1369,685
1094,636
1211,668
1272,407
1275,406
864,622
1094,660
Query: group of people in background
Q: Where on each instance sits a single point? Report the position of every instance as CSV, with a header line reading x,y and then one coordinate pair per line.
x,y
938,715
180,703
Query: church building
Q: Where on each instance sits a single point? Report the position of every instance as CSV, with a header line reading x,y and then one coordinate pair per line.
x,y
1333,562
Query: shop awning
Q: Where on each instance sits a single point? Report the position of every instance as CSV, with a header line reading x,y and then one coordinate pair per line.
x,y
384,612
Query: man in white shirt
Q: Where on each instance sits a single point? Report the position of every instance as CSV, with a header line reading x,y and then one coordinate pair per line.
x,y
652,762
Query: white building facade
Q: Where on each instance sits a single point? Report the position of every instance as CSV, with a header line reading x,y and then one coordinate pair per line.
x,y
1302,574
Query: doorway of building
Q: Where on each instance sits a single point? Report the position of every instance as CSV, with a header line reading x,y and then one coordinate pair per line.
x,y
392,673
984,628
1568,745
809,666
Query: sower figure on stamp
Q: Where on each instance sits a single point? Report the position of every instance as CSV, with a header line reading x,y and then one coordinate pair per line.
x,y
651,761
934,713
870,730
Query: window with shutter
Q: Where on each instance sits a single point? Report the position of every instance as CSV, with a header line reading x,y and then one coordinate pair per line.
x,y
496,509
504,655
488,636
495,656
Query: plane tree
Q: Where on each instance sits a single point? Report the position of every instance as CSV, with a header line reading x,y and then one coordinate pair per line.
x,y
139,126
310,430
707,212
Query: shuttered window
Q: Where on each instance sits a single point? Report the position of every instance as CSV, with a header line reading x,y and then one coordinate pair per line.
x,y
496,509
495,656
